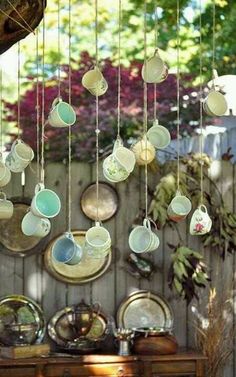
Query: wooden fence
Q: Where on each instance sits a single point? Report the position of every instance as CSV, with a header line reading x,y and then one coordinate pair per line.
x,y
28,276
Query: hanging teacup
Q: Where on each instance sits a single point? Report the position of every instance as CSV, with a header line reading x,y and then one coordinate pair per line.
x,y
142,239
154,70
5,174
179,207
45,203
20,156
62,114
97,241
66,250
158,135
215,103
34,226
201,222
144,151
95,82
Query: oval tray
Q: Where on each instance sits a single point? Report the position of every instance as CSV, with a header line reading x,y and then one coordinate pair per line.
x,y
143,309
87,270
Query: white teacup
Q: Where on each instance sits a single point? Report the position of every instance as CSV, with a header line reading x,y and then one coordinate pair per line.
x,y
62,114
158,135
97,241
45,203
34,226
20,156
66,250
95,82
215,103
201,222
5,174
144,151
179,207
6,207
154,70
142,239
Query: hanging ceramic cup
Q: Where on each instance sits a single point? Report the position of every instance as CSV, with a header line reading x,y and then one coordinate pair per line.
x,y
179,207
6,207
34,226
158,135
215,103
142,239
62,114
20,156
66,250
95,82
201,222
5,174
97,241
45,203
144,151
154,70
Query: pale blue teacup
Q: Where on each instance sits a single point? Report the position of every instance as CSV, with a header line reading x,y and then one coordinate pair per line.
x,y
66,250
45,203
62,114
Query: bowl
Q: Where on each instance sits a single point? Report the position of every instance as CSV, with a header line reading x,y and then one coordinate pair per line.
x,y
19,334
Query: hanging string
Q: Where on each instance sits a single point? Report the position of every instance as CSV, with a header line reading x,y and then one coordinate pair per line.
x,y
155,44
17,22
59,48
37,104
200,102
42,177
97,120
214,35
119,70
178,95
145,116
1,115
18,91
69,128
21,17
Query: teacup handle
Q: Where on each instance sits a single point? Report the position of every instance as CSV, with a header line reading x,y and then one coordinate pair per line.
x,y
98,223
147,223
117,144
178,193
69,235
4,197
39,187
56,101
202,206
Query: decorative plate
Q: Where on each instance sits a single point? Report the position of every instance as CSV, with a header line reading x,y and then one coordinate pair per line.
x,y
61,332
20,310
12,241
108,201
87,270
142,310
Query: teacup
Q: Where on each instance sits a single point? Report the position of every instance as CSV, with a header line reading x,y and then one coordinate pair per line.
x,y
179,207
158,135
66,250
5,174
201,222
6,207
45,203
95,82
34,226
144,151
97,241
20,156
215,103
142,239
62,114
154,70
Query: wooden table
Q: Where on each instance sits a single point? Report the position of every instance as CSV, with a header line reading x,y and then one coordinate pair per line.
x,y
181,364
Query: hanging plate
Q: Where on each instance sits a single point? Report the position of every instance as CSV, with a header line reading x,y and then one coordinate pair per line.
x,y
61,331
87,270
17,314
12,241
145,310
108,202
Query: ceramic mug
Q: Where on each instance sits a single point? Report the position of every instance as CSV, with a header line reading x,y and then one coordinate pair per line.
x,y
20,156
97,241
144,151
6,207
142,239
118,165
215,103
158,136
201,222
62,114
179,207
154,70
66,250
95,82
5,174
34,226
45,203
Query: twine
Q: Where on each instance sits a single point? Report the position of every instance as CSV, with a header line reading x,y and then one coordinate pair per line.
x,y
145,115
213,37
59,48
18,91
42,176
37,106
119,69
97,119
22,18
200,103
69,128
1,128
178,96
155,44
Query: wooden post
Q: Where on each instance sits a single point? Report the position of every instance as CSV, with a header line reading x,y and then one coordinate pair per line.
x,y
200,368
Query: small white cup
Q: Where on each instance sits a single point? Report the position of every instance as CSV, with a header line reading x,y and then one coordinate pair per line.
x,y
62,114
179,207
66,250
97,241
45,203
158,135
201,222
144,151
5,174
142,239
95,82
20,156
215,103
6,207
154,70
34,226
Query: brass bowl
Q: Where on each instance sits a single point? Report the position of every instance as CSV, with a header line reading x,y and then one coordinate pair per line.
x,y
19,334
